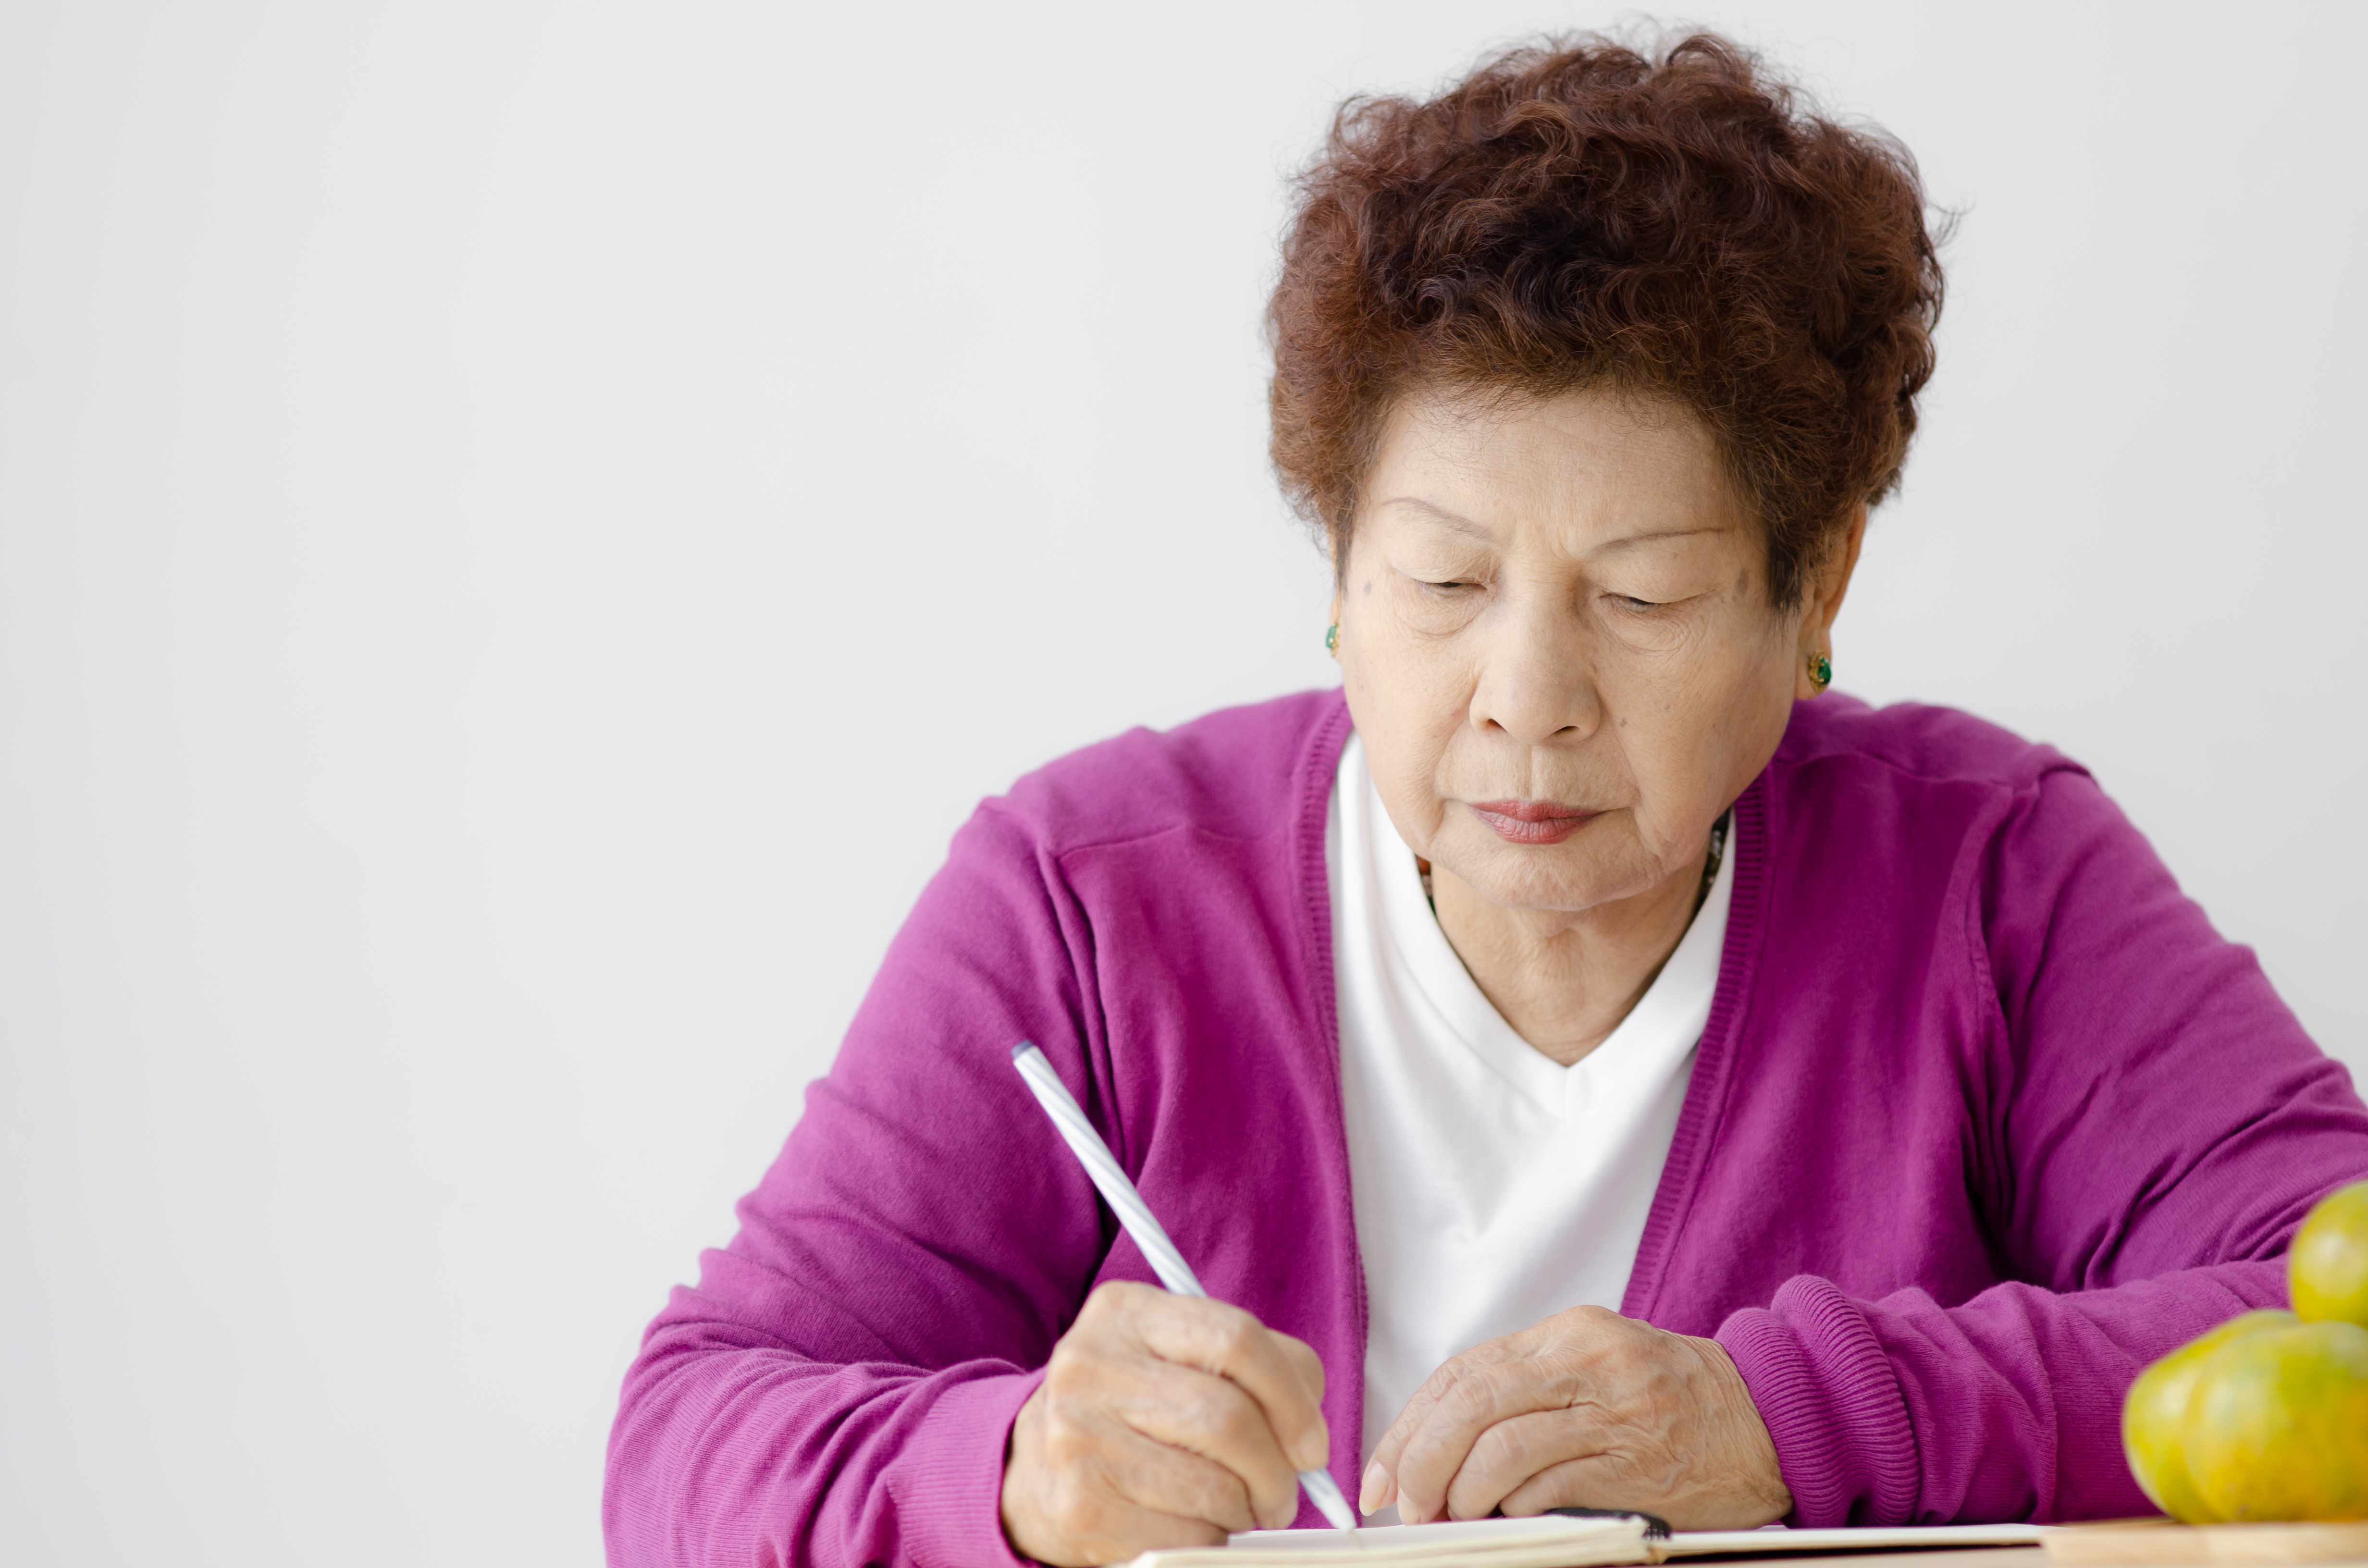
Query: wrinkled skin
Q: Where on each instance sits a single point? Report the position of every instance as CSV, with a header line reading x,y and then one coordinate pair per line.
x,y
1587,1408
1162,1421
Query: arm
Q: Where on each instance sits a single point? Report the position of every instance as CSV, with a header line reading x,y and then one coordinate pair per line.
x,y
851,1381
2150,1126
2005,1407
839,1386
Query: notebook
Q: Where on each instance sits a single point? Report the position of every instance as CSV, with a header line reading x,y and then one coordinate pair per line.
x,y
1549,1541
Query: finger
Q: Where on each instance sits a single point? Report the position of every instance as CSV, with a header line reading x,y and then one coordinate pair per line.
x,y
1099,1523
1233,1344
1410,1418
1474,1362
1213,1417
1083,1488
1377,1490
1590,1481
1381,1484
1137,1530
1508,1455
1310,1368
1171,1481
1117,1362
1432,1455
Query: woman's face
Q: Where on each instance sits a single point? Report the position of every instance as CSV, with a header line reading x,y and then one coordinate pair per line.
x,y
1557,643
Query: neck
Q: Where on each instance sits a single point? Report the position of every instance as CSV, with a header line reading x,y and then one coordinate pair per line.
x,y
1564,980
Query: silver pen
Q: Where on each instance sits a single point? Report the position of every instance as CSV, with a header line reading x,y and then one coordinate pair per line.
x,y
1078,1134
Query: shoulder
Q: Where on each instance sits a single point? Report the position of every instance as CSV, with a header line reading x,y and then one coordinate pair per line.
x,y
1912,807
1911,746
1236,773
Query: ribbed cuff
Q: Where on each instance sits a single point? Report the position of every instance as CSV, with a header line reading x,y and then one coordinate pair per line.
x,y
1832,1404
949,1504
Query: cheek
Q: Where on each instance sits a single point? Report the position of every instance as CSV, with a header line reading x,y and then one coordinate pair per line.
x,y
1408,718
1401,684
1762,703
1694,737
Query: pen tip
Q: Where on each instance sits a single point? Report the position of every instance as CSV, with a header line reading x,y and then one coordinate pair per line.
x,y
1325,1493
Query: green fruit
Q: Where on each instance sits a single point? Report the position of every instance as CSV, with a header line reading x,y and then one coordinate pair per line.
x,y
2277,1425
2154,1418
2327,1269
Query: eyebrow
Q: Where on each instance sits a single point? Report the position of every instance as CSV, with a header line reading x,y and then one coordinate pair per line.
x,y
1460,523
1465,524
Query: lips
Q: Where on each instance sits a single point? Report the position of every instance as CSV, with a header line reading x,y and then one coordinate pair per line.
x,y
1532,822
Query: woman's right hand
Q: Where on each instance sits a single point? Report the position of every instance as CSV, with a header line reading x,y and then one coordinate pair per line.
x,y
1162,1421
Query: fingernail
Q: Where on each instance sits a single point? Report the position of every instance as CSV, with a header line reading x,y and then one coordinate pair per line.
x,y
1370,1490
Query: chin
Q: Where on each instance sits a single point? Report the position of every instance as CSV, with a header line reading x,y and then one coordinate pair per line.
x,y
1569,877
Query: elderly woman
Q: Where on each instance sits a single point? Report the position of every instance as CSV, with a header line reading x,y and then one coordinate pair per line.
x,y
1588,1061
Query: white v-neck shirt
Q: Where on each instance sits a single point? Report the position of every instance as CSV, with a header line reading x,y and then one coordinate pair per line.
x,y
1493,1186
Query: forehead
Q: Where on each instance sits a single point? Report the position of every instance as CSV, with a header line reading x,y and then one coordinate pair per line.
x,y
1594,459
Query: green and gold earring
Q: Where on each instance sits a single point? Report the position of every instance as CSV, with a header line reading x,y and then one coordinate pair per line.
x,y
1821,671
1332,639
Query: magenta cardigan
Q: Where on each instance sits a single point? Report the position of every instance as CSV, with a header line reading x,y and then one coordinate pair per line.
x,y
1986,1118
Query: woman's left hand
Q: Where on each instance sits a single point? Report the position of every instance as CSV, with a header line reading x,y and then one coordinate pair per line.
x,y
1586,1408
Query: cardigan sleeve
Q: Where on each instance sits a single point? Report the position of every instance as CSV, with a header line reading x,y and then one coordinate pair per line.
x,y
2147,1126
838,1387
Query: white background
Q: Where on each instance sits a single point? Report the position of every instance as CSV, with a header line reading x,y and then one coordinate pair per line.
x,y
524,529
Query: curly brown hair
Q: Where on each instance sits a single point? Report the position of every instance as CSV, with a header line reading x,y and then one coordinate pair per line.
x,y
1581,213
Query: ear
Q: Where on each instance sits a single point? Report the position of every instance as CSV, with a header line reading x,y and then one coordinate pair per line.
x,y
1822,602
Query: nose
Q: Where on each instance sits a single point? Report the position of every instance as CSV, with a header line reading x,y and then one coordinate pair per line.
x,y
1536,682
